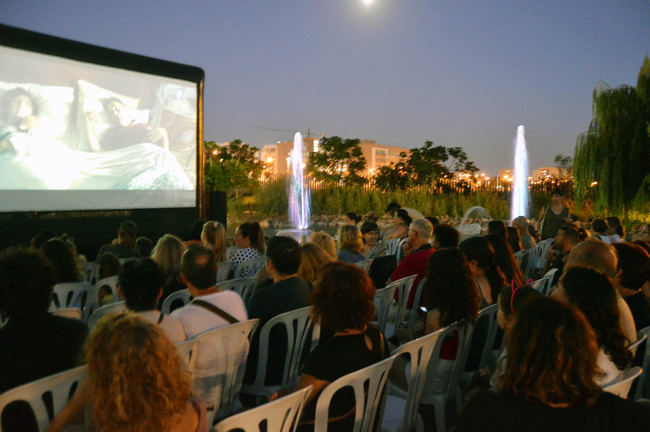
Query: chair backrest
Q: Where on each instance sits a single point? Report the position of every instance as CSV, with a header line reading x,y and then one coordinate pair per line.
x,y
642,386
280,415
541,252
488,313
518,256
464,331
527,263
111,282
105,310
392,246
248,269
368,385
46,396
621,386
68,313
419,355
223,270
403,288
220,366
71,294
409,321
181,296
635,345
245,287
545,284
297,324
187,350
364,264
383,300
90,272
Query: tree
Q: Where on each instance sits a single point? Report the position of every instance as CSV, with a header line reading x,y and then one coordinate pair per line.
x,y
234,167
612,158
564,163
339,161
428,163
392,177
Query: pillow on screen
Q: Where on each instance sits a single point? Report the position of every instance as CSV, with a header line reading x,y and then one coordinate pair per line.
x,y
93,119
53,105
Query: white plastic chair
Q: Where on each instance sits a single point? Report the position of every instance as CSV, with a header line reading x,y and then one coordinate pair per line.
x,y
223,270
365,264
281,415
392,246
541,253
180,295
403,287
244,287
60,386
439,400
187,350
220,365
368,385
383,301
90,272
621,386
297,324
71,294
642,390
635,345
419,353
105,310
545,284
527,262
111,282
248,269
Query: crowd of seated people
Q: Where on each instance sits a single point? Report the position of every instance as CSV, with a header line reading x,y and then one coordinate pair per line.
x,y
598,294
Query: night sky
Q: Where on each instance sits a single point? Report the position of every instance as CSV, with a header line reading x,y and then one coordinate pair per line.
x,y
460,73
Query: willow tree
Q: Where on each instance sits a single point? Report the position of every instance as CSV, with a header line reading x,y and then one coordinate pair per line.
x,y
611,161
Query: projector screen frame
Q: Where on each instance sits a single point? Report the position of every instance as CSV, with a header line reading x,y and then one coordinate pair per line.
x,y
17,38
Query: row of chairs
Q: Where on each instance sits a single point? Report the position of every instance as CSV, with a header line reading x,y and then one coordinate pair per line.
x,y
532,260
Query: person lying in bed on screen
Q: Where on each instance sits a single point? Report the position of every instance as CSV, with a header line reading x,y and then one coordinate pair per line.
x,y
126,131
18,112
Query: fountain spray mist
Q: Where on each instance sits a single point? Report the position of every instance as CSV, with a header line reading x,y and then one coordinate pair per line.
x,y
298,193
519,204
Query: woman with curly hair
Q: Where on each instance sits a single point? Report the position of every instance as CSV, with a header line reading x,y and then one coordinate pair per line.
x,y
548,383
136,381
343,305
593,293
167,254
485,271
312,260
350,244
213,236
450,295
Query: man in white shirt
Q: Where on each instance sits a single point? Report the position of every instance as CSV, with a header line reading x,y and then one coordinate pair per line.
x,y
199,274
211,308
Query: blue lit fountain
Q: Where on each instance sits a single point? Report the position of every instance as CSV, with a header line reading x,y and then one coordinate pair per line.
x,y
519,204
299,196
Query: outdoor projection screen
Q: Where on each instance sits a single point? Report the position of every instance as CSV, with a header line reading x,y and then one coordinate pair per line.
x,y
90,128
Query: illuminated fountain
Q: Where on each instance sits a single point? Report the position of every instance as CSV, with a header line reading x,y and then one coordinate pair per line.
x,y
519,204
299,197
472,229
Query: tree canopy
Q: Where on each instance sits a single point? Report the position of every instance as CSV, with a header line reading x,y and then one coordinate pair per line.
x,y
612,159
234,168
338,161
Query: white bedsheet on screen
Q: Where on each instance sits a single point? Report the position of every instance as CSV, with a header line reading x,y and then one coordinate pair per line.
x,y
79,136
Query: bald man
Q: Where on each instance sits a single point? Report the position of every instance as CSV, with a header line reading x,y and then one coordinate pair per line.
x,y
601,256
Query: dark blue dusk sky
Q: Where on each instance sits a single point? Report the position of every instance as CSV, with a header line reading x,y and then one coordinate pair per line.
x,y
460,73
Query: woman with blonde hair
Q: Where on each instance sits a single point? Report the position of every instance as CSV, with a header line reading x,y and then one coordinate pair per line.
x,y
167,254
325,241
136,381
312,260
213,236
350,244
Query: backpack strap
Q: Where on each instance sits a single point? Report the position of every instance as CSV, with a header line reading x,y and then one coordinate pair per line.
x,y
216,310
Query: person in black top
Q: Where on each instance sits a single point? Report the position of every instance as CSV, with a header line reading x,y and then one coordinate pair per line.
x,y
343,304
632,272
124,245
33,343
288,292
548,382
